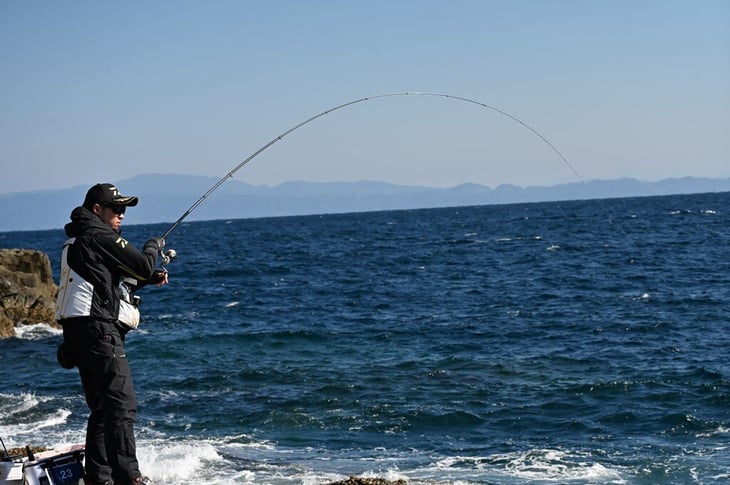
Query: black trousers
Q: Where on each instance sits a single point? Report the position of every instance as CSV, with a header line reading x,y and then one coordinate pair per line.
x,y
98,348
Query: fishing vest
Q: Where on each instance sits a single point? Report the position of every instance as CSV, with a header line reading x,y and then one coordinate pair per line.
x,y
75,295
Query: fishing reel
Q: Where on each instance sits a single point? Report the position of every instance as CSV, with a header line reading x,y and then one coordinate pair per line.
x,y
168,256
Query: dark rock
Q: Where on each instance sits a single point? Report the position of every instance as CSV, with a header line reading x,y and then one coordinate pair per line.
x,y
27,291
368,481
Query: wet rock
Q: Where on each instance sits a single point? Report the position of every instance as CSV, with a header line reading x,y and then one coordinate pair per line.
x,y
27,290
18,452
368,481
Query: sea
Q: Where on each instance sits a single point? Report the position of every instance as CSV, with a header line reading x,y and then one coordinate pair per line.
x,y
576,342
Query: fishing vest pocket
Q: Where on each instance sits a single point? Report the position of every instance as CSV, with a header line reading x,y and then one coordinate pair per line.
x,y
128,304
128,314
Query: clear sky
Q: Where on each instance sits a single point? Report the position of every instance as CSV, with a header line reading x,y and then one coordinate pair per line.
x,y
104,90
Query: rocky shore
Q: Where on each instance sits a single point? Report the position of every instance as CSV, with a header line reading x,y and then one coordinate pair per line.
x,y
27,290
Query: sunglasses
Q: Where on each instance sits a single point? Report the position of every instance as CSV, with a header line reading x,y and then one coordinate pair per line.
x,y
117,209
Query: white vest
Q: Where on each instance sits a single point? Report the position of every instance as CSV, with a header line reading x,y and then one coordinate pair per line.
x,y
75,295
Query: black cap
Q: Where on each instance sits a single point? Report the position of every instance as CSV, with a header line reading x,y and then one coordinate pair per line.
x,y
107,194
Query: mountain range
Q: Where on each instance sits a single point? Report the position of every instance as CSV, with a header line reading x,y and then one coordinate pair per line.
x,y
165,197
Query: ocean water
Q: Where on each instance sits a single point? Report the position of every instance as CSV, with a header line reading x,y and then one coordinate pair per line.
x,y
567,342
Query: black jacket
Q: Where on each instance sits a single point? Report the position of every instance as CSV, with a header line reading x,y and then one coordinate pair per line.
x,y
103,258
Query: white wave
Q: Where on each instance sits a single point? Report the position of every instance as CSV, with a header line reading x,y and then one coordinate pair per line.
x,y
186,316
24,432
557,465
244,442
719,431
17,403
231,304
552,247
23,421
37,331
213,461
540,465
176,462
58,417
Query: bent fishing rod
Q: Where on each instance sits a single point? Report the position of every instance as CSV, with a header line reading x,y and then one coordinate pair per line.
x,y
345,105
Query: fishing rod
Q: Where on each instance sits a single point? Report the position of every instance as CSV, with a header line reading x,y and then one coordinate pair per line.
x,y
345,105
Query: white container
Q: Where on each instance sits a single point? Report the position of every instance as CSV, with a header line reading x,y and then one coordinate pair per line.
x,y
64,467
11,473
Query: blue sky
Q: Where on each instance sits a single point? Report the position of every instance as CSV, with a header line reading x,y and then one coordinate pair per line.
x,y
101,91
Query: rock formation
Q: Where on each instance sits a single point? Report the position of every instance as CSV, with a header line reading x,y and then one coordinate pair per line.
x,y
27,290
368,481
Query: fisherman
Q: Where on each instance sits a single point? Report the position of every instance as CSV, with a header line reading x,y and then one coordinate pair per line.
x,y
100,271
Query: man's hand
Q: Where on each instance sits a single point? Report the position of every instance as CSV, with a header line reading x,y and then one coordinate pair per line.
x,y
159,277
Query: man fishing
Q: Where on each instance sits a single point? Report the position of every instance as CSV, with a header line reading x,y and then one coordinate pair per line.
x,y
100,271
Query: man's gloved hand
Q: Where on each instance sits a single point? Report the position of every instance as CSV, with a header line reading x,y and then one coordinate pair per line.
x,y
159,277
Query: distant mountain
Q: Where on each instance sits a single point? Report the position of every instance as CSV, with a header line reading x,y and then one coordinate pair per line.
x,y
164,198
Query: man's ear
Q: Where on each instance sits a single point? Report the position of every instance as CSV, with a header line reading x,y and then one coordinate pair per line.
x,y
96,209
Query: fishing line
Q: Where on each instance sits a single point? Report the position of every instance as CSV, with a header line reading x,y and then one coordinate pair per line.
x,y
345,105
